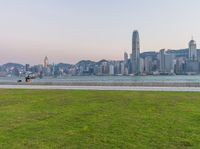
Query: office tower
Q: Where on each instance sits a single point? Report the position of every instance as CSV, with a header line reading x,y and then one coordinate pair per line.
x,y
192,50
148,64
125,57
126,63
135,53
166,62
162,60
180,66
192,67
46,61
169,63
111,69
141,65
27,67
122,67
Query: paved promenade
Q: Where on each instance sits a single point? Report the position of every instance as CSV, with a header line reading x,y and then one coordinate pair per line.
x,y
129,88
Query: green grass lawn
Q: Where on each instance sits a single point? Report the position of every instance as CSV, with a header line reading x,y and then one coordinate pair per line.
x,y
99,119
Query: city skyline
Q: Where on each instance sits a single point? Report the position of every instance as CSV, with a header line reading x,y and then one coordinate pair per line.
x,y
165,62
69,31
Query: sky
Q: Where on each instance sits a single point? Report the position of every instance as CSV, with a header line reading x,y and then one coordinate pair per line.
x,y
71,30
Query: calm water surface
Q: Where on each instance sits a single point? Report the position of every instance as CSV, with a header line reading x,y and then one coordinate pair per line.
x,y
110,79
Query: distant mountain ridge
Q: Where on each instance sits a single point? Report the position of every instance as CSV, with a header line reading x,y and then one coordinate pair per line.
x,y
12,65
85,62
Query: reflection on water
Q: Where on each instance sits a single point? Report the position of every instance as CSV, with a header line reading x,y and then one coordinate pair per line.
x,y
110,79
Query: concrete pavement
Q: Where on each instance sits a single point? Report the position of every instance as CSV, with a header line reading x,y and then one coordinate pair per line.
x,y
128,88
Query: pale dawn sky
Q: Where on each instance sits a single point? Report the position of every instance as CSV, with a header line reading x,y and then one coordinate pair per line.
x,y
71,30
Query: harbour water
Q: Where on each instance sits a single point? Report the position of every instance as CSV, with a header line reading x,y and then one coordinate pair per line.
x,y
112,79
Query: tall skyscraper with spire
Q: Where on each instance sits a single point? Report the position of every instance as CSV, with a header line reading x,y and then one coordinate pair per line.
x,y
46,61
135,53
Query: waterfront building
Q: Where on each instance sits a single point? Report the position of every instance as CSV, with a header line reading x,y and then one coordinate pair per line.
x,y
155,65
96,70
125,58
131,57
129,69
180,66
198,55
135,53
192,50
105,68
111,69
169,63
141,65
46,61
126,71
162,60
27,67
148,65
192,67
117,69
166,62
126,63
122,66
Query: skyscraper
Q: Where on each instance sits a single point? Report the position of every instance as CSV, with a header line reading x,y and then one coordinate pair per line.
x,y
192,50
162,60
46,62
135,53
166,62
125,57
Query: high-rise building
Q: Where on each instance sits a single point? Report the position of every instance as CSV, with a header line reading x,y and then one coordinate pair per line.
x,y
180,66
148,64
111,69
27,67
169,63
135,53
166,62
162,60
46,61
125,58
192,50
192,67
198,55
122,67
141,65
126,63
